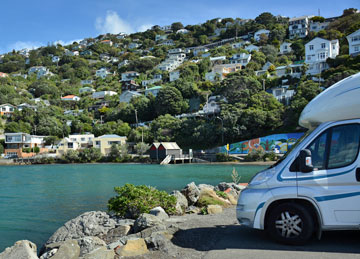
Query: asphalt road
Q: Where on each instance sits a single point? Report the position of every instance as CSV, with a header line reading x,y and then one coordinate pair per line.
x,y
220,237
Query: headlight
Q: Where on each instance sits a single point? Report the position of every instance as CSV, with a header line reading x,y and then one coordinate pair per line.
x,y
262,177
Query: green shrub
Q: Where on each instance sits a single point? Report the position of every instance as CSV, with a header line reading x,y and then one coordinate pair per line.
x,y
36,150
131,200
255,155
221,157
206,200
26,150
271,156
221,194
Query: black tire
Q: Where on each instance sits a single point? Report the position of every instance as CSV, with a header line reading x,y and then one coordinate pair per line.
x,y
290,223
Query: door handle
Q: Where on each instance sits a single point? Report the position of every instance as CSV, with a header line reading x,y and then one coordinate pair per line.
x,y
358,174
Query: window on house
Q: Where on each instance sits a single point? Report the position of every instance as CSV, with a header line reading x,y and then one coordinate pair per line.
x,y
311,47
356,48
323,45
97,143
70,145
322,55
82,139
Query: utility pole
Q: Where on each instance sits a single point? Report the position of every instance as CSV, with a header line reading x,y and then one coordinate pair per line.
x,y
136,118
263,84
101,121
222,129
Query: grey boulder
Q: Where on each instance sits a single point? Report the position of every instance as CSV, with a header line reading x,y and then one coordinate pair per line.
x,y
159,212
181,202
146,221
22,249
191,192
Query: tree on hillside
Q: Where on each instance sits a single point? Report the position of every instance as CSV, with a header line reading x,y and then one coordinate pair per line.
x,y
176,26
170,101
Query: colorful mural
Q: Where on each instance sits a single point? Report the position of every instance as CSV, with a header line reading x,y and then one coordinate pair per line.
x,y
280,142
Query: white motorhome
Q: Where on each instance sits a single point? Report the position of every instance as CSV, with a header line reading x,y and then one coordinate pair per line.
x,y
316,186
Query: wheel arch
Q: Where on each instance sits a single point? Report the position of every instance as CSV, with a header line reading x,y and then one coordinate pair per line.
x,y
306,203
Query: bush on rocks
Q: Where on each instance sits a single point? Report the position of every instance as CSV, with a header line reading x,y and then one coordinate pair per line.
x,y
132,201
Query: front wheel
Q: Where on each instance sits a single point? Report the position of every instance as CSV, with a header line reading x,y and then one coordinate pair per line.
x,y
290,223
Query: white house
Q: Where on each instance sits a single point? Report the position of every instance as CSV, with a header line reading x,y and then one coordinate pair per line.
x,y
123,63
220,71
40,71
252,48
354,43
182,31
107,42
293,70
199,50
212,105
260,32
317,51
102,94
174,75
154,90
285,48
55,59
282,94
165,28
214,59
7,109
130,75
241,58
126,96
167,43
134,45
70,97
22,106
299,26
239,45
86,82
102,72
86,89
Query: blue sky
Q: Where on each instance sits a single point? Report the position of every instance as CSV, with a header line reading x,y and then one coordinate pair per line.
x,y
36,23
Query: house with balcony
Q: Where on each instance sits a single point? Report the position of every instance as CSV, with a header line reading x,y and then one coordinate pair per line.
x,y
130,75
24,145
219,72
102,72
354,43
102,94
317,51
105,142
257,35
126,96
299,26
99,105
74,142
134,45
199,50
285,48
241,58
293,70
7,109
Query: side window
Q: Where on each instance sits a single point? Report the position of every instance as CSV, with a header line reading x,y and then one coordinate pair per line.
x,y
344,145
318,151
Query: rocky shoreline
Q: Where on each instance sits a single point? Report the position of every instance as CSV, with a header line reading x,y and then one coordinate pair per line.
x,y
98,234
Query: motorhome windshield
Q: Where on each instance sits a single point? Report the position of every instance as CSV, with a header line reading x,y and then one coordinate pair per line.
x,y
307,133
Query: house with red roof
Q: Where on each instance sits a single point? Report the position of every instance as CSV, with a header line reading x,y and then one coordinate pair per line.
x,y
70,98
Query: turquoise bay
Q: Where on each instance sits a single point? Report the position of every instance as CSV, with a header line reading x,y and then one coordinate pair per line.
x,y
36,200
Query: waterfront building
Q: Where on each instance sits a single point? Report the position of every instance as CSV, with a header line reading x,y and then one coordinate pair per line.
x,y
74,142
159,151
105,142
24,145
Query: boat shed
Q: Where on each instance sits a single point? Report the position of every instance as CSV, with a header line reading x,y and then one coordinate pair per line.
x,y
160,151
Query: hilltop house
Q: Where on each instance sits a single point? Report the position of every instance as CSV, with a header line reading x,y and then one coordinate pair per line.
x,y
299,26
257,35
7,109
182,31
317,51
354,43
74,142
70,97
105,142
102,94
126,96
285,48
241,58
23,145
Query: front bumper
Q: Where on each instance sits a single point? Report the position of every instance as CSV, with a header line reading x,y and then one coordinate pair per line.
x,y
250,203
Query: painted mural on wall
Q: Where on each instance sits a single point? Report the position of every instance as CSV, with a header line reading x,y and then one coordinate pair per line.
x,y
280,142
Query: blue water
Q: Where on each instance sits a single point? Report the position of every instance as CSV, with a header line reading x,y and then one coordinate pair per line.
x,y
36,200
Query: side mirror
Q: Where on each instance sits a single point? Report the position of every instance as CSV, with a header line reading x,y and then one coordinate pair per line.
x,y
305,163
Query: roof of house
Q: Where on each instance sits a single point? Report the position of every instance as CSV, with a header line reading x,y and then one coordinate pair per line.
x,y
354,33
154,88
170,145
111,136
7,104
69,96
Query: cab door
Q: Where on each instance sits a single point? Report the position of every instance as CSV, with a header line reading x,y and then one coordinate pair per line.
x,y
334,184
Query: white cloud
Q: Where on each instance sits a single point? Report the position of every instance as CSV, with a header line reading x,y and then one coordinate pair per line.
x,y
144,27
112,23
65,43
19,45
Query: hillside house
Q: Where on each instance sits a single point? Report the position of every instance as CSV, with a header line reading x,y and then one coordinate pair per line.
x,y
86,53
239,45
40,71
86,89
285,48
70,97
174,75
299,26
126,96
219,72
242,59
154,90
99,105
123,63
23,145
129,86
199,50
86,82
159,37
252,48
102,72
130,75
102,94
7,109
3,75
23,106
105,142
282,94
318,26
55,59
134,45
257,35
107,42
317,51
354,43
182,31
167,43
